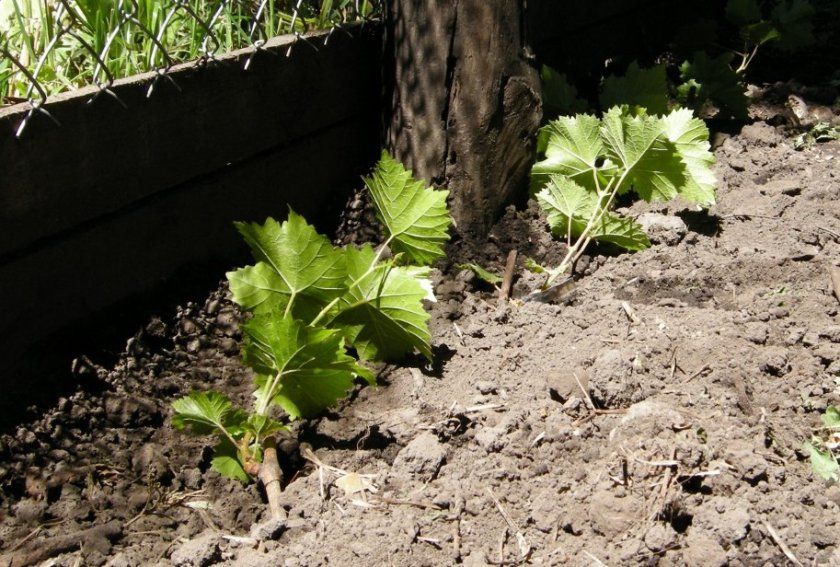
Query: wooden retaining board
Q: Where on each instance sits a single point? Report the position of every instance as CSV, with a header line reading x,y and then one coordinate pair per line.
x,y
104,156
114,201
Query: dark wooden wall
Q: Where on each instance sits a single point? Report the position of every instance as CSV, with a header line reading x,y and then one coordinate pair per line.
x,y
116,200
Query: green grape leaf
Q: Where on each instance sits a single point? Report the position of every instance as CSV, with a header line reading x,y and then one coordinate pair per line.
x,y
294,264
831,417
713,79
559,97
641,89
569,208
415,217
572,147
760,33
742,12
650,162
262,426
207,412
481,273
535,267
794,20
300,368
823,462
258,288
383,311
226,461
691,138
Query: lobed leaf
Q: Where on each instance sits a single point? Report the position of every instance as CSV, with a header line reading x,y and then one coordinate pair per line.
x,y
648,159
713,79
644,90
302,369
691,139
570,206
415,217
822,462
573,147
226,461
794,20
760,33
262,426
383,312
559,97
294,264
207,412
831,417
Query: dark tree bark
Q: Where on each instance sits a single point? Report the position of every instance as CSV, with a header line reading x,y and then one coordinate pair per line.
x,y
463,105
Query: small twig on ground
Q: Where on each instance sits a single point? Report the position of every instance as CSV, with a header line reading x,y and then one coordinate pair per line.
x,y
395,502
61,544
671,465
673,363
431,541
524,546
483,407
459,332
705,368
456,540
834,272
585,393
596,412
829,231
507,280
631,314
34,533
782,545
595,559
455,518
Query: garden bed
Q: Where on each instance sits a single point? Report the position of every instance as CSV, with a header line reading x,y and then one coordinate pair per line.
x,y
708,357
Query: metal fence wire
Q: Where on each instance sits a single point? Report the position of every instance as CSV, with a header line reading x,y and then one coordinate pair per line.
x,y
52,46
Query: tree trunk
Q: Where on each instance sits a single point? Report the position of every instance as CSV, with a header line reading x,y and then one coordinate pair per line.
x,y
463,105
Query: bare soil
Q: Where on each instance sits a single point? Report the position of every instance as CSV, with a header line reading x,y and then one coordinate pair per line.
x,y
654,416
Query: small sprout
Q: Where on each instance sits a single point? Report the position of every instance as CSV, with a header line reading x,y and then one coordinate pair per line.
x,y
482,274
823,446
532,266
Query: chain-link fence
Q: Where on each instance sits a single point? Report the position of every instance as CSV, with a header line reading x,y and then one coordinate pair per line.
x,y
53,46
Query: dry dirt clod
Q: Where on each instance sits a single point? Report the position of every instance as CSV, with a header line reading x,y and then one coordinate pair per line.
x,y
664,229
269,529
834,273
199,552
422,457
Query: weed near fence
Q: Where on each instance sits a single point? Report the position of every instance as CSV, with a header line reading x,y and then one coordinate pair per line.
x,y
51,46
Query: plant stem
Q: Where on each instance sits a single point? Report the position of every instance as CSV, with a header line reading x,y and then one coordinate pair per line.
x,y
578,248
370,269
746,59
271,477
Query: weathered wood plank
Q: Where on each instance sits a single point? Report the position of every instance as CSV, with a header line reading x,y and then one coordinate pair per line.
x,y
138,248
104,156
